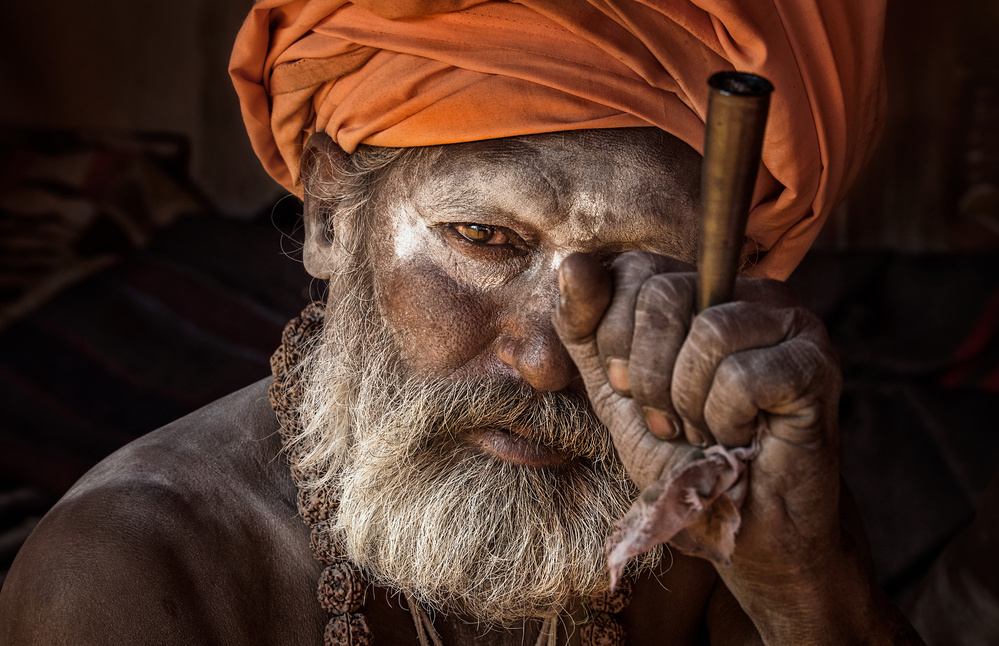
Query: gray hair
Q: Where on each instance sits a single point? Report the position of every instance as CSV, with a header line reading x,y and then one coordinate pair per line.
x,y
345,199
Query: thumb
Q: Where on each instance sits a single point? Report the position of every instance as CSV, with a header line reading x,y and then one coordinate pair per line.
x,y
586,289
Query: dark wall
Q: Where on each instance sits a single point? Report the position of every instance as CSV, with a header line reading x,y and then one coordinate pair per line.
x,y
933,184
118,65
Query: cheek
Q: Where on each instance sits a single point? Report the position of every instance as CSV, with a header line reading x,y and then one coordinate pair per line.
x,y
439,324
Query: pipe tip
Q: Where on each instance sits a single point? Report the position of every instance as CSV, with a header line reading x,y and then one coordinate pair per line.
x,y
740,84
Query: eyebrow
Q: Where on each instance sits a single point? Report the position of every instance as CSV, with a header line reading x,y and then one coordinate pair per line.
x,y
472,206
458,212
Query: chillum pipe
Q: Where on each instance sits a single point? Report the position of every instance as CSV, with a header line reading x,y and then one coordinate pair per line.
x,y
737,117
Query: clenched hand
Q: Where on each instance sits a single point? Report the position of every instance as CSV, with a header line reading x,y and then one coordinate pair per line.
x,y
759,373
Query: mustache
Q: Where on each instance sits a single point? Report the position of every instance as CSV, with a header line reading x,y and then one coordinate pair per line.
x,y
563,420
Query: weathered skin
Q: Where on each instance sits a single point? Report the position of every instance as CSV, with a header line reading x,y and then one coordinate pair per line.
x,y
190,535
187,535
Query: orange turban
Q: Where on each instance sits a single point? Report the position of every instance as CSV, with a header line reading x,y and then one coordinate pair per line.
x,y
418,72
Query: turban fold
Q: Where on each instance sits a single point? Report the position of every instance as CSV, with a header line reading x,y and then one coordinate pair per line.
x,y
417,73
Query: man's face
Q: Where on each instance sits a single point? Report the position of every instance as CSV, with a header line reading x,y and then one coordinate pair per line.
x,y
469,468
467,242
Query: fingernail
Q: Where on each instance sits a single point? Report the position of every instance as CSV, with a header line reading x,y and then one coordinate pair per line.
x,y
561,281
617,375
695,437
660,424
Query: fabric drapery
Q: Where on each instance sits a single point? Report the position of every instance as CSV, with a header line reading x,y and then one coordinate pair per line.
x,y
406,73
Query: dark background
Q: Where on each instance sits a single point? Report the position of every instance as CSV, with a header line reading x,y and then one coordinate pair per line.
x,y
147,264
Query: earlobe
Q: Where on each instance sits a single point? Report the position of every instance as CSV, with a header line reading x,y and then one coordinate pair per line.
x,y
321,160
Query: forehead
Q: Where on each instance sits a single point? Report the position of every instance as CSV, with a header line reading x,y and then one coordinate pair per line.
x,y
621,188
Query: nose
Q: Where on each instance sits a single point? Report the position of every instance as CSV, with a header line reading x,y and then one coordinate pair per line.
x,y
532,347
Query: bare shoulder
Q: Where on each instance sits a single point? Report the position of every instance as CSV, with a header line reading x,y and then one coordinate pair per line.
x,y
187,535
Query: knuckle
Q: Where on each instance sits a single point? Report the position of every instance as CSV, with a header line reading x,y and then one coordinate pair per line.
x,y
712,328
817,359
633,264
732,378
671,294
636,264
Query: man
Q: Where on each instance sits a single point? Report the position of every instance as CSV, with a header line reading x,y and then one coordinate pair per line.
x,y
508,355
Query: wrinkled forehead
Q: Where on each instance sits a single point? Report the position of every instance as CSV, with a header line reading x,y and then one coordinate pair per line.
x,y
577,156
579,180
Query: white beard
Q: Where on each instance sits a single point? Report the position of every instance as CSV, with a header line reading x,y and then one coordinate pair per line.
x,y
425,512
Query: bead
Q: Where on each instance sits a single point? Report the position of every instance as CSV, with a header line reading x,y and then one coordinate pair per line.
x,y
313,506
341,589
324,547
612,603
297,474
602,629
347,630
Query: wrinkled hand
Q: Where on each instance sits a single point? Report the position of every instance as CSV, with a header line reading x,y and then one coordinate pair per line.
x,y
666,381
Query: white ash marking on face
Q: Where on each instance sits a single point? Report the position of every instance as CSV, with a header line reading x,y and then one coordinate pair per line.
x,y
413,238
587,204
409,235
558,257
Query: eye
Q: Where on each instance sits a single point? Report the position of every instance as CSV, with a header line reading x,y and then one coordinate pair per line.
x,y
481,234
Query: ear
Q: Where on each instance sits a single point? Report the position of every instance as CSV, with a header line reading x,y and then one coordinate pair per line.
x,y
322,160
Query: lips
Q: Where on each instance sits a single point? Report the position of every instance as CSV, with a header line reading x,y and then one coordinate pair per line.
x,y
517,449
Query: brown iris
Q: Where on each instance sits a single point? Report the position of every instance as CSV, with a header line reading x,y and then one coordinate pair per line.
x,y
481,234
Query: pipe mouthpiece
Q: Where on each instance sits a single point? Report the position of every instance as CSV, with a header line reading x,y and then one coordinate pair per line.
x,y
740,84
